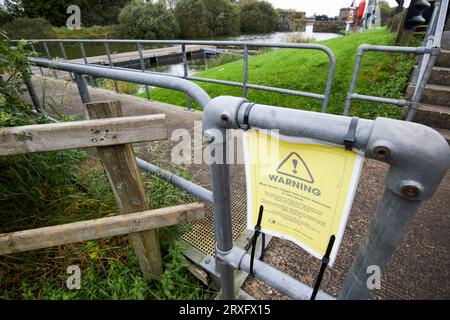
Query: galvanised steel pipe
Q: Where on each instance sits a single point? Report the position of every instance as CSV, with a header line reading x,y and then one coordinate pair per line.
x,y
33,95
420,86
240,259
223,232
261,87
172,178
419,158
191,89
397,102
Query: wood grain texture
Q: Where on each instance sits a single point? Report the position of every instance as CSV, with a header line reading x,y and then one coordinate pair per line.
x,y
99,228
123,174
81,134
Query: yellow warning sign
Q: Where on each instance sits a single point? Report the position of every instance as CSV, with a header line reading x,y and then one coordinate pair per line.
x,y
305,186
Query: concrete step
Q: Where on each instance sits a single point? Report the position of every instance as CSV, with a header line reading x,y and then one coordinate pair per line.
x,y
441,76
445,133
443,59
432,116
445,41
434,94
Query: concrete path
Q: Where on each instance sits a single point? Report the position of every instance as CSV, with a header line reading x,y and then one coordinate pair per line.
x,y
420,268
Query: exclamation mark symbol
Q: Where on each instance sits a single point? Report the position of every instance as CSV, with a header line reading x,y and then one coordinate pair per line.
x,y
294,162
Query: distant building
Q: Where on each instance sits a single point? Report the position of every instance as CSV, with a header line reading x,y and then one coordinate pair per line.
x,y
344,14
347,15
290,20
284,21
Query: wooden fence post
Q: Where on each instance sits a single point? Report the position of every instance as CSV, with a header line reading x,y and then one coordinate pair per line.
x,y
123,174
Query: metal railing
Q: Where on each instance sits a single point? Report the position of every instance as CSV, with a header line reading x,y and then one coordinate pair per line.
x,y
419,158
429,52
245,85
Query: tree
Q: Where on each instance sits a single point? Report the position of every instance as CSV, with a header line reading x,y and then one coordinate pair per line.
x,y
146,20
4,16
93,12
191,16
101,12
258,17
52,10
223,17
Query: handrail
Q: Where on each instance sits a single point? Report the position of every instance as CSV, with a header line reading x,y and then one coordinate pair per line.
x,y
188,87
325,97
429,52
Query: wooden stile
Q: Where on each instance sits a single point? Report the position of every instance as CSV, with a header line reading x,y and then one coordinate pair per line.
x,y
123,174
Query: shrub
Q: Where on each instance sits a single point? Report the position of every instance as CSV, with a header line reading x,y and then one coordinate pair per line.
x,y
258,17
146,20
13,69
28,28
191,16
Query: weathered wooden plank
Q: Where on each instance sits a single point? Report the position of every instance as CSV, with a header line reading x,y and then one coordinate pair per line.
x,y
98,228
123,174
81,134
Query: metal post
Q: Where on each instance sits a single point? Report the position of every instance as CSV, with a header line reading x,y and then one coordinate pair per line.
x,y
82,88
245,77
34,98
83,54
108,53
34,49
63,52
49,56
185,73
329,83
420,87
391,218
142,62
220,181
348,100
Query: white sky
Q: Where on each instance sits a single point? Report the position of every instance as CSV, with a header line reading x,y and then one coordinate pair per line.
x,y
328,7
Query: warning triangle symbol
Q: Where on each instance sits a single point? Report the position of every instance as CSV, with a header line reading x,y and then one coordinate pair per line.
x,y
294,166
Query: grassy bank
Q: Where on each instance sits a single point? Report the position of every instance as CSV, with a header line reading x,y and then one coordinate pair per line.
x,y
381,74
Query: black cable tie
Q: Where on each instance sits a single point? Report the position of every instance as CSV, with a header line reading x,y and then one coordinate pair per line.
x,y
245,125
350,138
325,262
255,238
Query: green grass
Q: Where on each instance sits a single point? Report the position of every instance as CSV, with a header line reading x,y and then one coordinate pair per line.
x,y
381,74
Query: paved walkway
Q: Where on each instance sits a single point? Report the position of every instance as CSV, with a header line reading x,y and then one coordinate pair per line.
x,y
420,268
